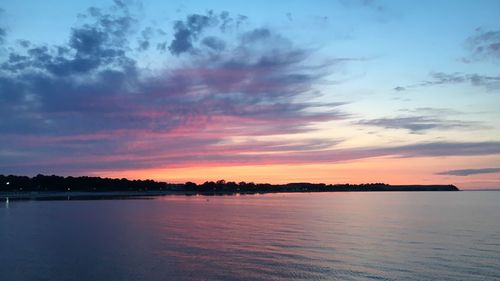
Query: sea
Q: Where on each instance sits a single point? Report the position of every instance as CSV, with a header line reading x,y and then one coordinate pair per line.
x,y
281,236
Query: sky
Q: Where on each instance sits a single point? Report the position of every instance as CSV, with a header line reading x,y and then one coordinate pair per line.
x,y
401,92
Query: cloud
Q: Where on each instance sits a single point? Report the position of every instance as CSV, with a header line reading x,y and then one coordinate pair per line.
x,y
185,34
144,41
214,43
100,43
418,124
182,151
89,104
483,45
423,119
439,78
3,34
468,172
445,149
3,31
433,111
189,31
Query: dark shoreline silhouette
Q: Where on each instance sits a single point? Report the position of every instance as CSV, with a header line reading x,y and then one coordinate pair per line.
x,y
42,186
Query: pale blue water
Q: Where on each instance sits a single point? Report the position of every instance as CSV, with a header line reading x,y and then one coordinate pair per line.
x,y
318,236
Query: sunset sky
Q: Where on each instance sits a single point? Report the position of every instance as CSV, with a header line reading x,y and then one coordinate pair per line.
x,y
356,91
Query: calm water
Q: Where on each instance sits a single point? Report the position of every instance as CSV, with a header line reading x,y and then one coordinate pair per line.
x,y
319,236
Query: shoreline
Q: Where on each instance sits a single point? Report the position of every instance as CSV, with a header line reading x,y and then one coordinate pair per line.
x,y
76,195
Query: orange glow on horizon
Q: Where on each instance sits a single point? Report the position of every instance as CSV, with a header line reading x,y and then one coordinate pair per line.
x,y
391,170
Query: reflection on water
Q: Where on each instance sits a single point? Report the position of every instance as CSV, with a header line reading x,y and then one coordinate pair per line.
x,y
318,236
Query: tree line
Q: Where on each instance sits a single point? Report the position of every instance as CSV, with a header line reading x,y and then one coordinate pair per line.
x,y
53,183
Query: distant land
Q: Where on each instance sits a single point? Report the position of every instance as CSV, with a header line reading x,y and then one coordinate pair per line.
x,y
43,185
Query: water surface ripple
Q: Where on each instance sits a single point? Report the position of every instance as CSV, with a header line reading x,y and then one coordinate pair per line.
x,y
310,236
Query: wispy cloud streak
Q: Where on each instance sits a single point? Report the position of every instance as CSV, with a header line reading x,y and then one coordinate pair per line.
x,y
469,172
490,82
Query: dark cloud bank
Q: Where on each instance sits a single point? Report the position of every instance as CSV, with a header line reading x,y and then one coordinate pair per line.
x,y
91,99
89,105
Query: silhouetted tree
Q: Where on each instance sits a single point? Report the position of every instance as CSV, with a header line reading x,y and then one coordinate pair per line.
x,y
41,183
